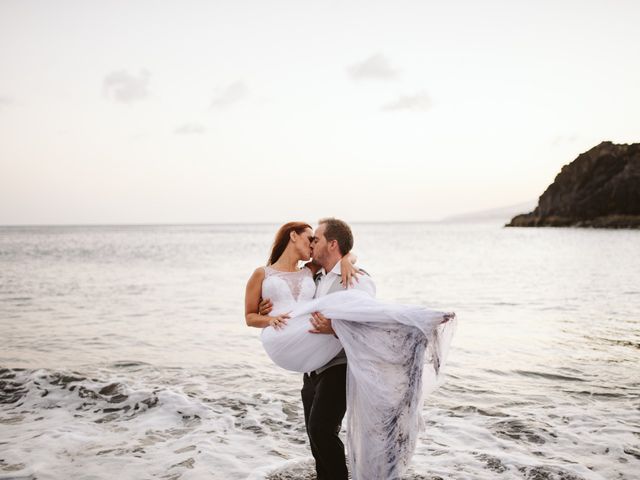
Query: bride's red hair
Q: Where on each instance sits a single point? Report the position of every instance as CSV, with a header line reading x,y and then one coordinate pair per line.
x,y
282,239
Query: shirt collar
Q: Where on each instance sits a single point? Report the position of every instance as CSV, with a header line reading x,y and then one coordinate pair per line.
x,y
336,269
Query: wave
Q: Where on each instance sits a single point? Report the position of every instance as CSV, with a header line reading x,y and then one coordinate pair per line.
x,y
42,389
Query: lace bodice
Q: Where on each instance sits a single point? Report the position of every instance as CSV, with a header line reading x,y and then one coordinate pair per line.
x,y
285,289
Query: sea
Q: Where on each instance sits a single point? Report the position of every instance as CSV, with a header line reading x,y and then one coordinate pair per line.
x,y
125,354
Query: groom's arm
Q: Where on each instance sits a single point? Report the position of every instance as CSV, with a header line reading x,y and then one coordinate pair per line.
x,y
321,324
265,306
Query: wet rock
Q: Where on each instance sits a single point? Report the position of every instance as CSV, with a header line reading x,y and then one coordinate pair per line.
x,y
117,398
188,448
150,402
633,452
546,473
518,430
188,463
11,392
11,467
6,374
84,392
493,463
65,380
111,409
110,389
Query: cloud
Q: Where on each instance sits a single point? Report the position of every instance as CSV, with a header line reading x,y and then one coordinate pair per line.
x,y
230,94
420,102
136,137
375,67
563,139
125,87
5,102
190,129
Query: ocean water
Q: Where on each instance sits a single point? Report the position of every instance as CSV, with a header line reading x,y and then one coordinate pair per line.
x,y
124,352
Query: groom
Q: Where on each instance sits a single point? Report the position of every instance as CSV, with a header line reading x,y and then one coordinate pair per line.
x,y
323,392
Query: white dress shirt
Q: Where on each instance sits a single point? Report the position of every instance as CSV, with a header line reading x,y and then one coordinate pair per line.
x,y
330,283
363,282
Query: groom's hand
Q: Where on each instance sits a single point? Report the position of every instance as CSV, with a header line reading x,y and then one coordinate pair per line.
x,y
321,324
265,307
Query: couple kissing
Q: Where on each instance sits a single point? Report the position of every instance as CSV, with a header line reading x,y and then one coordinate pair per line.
x,y
359,355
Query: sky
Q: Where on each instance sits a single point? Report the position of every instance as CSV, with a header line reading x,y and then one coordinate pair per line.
x,y
138,112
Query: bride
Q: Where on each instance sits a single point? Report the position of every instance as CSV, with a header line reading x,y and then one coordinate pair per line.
x,y
386,345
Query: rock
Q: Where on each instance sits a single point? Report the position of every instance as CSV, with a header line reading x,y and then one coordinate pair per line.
x,y
600,189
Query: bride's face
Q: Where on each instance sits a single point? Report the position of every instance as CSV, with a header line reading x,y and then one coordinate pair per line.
x,y
303,244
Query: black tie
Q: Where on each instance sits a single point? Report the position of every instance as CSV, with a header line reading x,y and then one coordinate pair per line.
x,y
318,277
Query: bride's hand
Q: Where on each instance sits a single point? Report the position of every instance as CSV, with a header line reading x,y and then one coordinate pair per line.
x,y
279,322
348,270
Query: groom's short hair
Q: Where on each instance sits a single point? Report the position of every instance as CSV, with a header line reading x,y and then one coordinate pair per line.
x,y
339,231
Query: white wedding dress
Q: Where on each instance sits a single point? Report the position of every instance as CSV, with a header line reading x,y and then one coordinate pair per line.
x,y
387,347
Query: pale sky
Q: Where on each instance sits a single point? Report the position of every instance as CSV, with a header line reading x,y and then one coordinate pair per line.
x,y
240,111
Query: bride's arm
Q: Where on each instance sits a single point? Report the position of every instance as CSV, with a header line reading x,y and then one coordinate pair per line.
x,y
348,270
252,302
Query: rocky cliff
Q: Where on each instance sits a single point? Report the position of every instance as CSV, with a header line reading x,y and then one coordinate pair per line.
x,y
600,188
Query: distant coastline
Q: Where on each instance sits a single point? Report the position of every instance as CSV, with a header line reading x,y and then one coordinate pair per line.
x,y
498,214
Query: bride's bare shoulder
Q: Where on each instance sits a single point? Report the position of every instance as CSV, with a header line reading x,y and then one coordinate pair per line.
x,y
258,275
261,270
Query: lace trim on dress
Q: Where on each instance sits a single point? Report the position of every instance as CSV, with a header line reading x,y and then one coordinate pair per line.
x,y
293,279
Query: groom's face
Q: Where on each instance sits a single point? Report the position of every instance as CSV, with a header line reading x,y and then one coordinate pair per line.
x,y
319,246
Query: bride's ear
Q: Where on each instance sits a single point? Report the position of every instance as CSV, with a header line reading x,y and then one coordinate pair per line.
x,y
293,236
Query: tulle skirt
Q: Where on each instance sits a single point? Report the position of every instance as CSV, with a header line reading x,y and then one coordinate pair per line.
x,y
394,353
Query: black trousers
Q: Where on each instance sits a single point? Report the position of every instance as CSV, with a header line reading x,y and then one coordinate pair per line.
x,y
324,398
